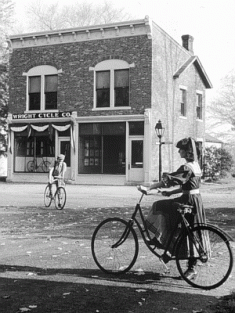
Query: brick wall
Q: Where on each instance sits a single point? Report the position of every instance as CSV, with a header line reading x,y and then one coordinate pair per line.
x,y
75,88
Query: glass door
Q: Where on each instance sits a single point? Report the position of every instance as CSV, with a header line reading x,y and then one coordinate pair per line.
x,y
136,160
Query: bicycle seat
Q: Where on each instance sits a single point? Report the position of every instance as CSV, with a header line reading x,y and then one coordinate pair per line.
x,y
184,208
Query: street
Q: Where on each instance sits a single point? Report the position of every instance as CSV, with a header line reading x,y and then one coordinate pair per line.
x,y
46,263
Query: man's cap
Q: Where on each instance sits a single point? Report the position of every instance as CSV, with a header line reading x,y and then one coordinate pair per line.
x,y
61,157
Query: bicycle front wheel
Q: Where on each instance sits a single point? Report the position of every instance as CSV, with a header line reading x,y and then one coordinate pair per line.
x,y
114,246
210,253
60,198
47,196
31,166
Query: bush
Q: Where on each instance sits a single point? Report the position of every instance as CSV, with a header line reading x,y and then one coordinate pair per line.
x,y
217,163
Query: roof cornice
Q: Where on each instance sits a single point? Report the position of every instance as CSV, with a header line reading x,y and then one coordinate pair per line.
x,y
93,32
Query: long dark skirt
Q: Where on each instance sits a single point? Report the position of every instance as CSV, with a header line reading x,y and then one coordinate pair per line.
x,y
163,217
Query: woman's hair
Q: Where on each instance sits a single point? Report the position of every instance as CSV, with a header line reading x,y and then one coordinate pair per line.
x,y
186,144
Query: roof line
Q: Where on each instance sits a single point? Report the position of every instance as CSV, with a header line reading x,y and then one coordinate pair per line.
x,y
194,60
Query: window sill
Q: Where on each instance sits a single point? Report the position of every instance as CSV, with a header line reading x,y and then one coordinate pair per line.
x,y
111,108
199,120
183,117
41,111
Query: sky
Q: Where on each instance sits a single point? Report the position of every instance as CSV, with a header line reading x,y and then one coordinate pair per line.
x,y
210,22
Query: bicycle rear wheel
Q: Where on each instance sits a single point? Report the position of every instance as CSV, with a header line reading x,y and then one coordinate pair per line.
x,y
60,198
211,253
45,166
47,196
114,246
31,166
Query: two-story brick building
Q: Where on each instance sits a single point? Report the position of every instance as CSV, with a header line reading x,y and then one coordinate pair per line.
x,y
95,94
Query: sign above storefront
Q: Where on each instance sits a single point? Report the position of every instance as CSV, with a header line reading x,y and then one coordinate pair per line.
x,y
41,115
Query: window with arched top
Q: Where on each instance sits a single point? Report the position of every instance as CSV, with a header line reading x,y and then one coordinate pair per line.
x,y
42,84
112,84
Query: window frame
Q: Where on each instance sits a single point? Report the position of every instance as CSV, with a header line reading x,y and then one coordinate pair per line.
x,y
199,106
42,71
183,102
111,66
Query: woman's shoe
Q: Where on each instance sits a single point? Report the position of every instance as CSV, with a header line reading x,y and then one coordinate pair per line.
x,y
154,242
190,274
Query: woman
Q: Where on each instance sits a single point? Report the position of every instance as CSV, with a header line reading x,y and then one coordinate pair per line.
x,y
162,217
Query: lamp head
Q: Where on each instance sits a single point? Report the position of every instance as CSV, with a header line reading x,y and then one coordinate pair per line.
x,y
159,129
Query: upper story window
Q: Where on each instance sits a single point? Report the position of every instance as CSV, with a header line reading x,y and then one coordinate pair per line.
x,y
199,106
42,84
112,86
183,101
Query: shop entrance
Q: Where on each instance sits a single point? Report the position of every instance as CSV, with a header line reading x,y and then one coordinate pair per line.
x,y
64,148
114,154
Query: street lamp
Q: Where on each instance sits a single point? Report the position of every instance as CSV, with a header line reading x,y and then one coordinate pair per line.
x,y
160,132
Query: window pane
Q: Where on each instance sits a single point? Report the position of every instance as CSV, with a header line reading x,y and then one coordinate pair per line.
x,y
51,83
34,84
103,89
199,106
136,128
34,92
103,80
121,78
34,101
121,82
137,154
183,102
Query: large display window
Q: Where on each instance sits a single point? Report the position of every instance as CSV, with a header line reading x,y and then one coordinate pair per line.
x,y
33,154
102,148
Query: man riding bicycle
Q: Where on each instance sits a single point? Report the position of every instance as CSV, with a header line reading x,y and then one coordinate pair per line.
x,y
57,172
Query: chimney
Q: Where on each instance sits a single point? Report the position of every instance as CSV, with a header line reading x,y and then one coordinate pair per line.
x,y
187,42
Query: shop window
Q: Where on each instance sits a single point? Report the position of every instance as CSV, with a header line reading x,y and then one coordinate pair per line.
x,y
112,81
42,86
102,148
199,106
33,153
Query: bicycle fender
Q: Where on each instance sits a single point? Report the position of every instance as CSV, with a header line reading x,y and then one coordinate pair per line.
x,y
230,238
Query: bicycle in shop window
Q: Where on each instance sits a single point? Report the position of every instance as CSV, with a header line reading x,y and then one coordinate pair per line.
x,y
34,166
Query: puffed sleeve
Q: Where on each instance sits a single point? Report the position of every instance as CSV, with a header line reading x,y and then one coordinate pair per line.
x,y
180,177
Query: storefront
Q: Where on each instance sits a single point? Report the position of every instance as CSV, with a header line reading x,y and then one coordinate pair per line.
x,y
97,151
36,139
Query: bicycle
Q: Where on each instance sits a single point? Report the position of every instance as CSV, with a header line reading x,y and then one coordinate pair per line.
x,y
115,247
32,166
59,196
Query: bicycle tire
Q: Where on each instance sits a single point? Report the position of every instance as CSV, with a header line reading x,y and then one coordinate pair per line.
x,y
45,166
31,166
110,259
60,198
212,253
47,196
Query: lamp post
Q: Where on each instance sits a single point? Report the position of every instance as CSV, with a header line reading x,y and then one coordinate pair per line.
x,y
160,132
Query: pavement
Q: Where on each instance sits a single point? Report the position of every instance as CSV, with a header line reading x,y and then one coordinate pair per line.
x,y
41,245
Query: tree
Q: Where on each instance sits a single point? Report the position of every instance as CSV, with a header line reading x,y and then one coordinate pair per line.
x,y
44,17
217,163
221,110
6,13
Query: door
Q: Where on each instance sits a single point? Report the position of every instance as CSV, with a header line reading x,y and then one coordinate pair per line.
x,y
136,160
65,148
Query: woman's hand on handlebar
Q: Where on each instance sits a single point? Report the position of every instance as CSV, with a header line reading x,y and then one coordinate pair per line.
x,y
166,193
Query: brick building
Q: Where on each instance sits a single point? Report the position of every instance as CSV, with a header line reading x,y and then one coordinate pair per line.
x,y
95,94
